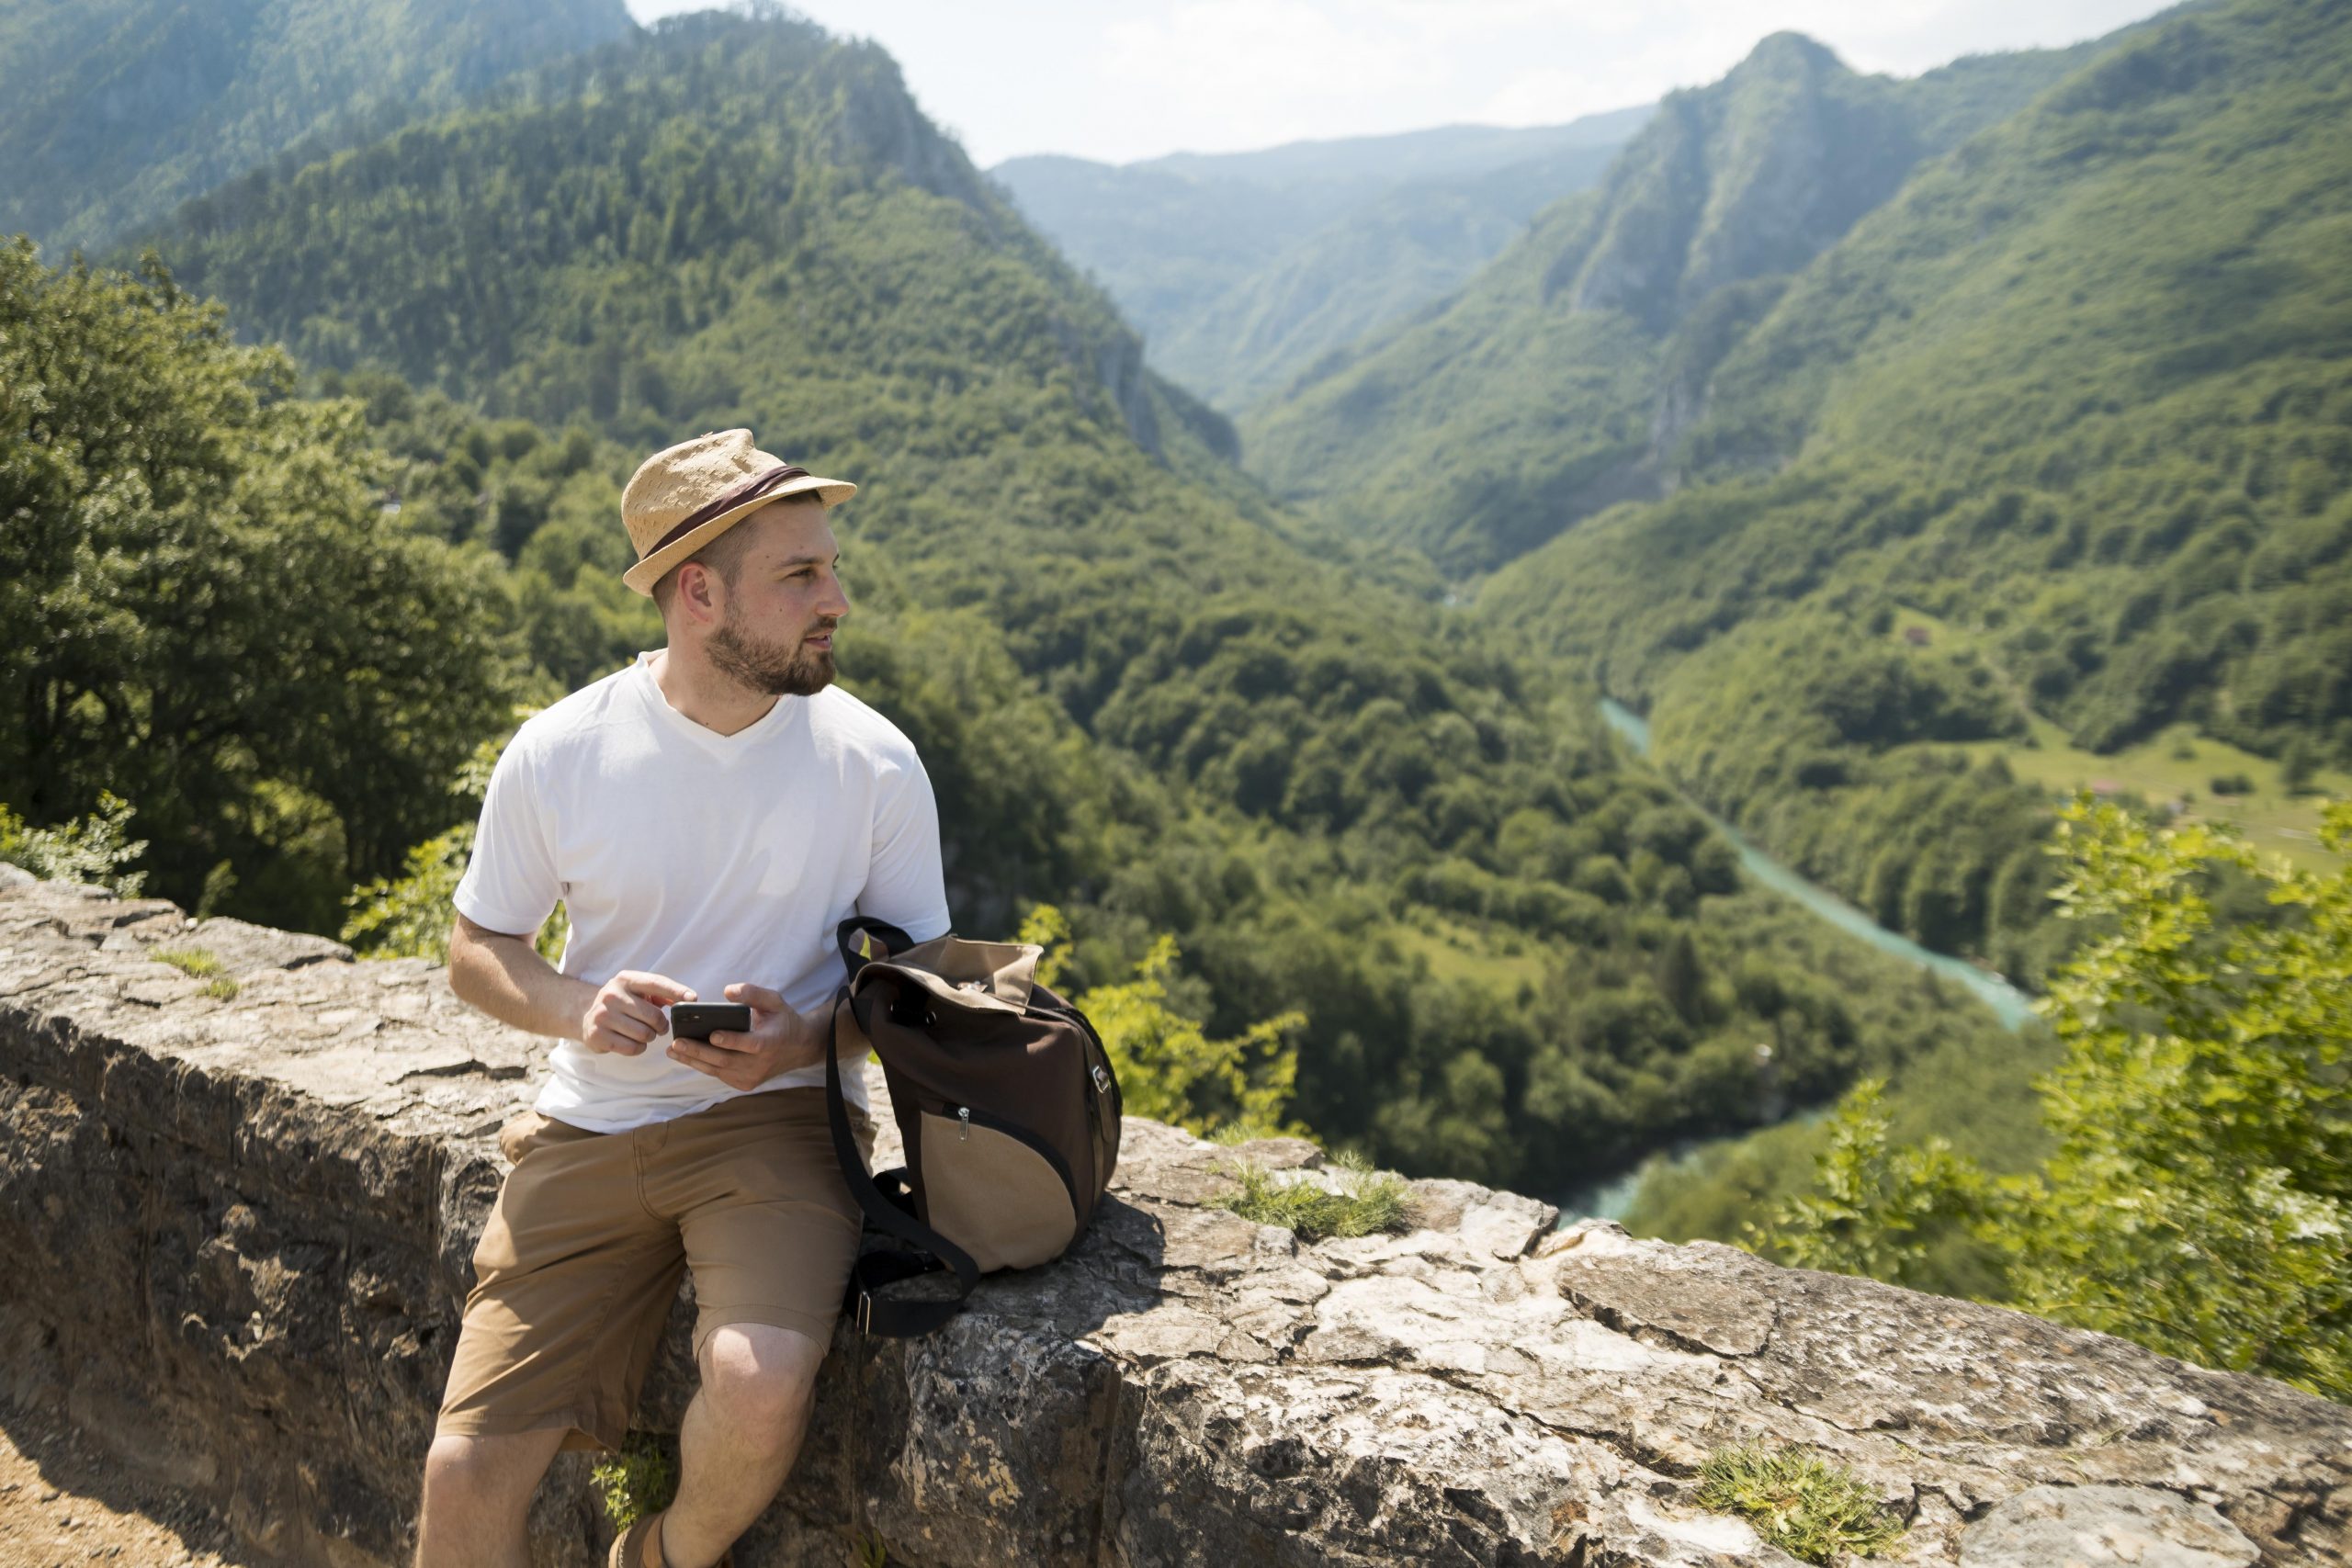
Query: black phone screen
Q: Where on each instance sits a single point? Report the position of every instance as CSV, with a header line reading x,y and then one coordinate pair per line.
x,y
696,1021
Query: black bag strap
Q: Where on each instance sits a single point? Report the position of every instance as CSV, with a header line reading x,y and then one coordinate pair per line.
x,y
846,934
874,1314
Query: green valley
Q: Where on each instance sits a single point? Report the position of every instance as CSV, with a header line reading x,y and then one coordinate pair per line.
x,y
2032,396
1145,693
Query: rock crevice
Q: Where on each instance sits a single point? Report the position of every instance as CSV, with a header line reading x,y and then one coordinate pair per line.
x,y
243,1226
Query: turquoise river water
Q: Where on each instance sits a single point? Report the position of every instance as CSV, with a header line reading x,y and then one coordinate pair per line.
x,y
1610,1198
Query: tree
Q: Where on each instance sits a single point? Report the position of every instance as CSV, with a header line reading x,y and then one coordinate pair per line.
x,y
409,915
1168,1066
2199,1196
208,614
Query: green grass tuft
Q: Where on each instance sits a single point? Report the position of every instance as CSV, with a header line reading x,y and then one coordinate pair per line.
x,y
198,964
1809,1508
1370,1201
641,1478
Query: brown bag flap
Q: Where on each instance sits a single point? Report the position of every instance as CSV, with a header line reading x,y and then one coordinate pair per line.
x,y
993,975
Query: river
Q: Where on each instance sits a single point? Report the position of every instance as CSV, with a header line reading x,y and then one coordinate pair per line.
x,y
1610,1199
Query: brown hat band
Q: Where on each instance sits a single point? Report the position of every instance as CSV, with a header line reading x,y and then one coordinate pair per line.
x,y
750,490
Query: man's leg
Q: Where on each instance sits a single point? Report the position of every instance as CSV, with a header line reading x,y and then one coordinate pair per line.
x,y
740,1434
477,1497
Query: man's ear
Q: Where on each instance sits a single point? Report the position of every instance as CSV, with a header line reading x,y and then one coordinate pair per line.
x,y
699,588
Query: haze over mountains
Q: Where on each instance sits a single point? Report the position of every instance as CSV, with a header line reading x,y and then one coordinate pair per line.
x,y
1241,269
2030,343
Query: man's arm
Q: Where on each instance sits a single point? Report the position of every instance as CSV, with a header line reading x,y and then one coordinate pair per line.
x,y
504,977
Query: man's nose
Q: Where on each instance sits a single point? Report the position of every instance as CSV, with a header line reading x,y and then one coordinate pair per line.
x,y
834,605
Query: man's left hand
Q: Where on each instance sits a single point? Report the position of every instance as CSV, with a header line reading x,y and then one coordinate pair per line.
x,y
780,1040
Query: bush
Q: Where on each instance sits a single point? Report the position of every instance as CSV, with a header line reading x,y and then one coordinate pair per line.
x,y
86,850
1809,1508
1368,1199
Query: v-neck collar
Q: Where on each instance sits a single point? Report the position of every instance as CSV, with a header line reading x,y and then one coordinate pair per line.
x,y
724,746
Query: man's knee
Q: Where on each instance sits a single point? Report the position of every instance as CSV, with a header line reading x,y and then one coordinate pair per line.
x,y
477,1474
761,1379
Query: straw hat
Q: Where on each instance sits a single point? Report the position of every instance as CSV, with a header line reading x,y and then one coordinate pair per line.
x,y
684,496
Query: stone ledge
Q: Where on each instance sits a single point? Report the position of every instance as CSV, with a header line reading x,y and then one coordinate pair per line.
x,y
243,1229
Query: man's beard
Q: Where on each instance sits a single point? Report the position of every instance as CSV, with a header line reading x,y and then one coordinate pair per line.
x,y
798,671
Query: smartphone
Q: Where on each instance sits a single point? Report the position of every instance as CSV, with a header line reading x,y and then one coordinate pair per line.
x,y
696,1021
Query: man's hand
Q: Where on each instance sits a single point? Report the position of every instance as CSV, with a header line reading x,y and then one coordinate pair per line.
x,y
780,1040
625,1016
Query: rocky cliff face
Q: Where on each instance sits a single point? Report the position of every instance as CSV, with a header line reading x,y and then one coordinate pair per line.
x,y
241,1225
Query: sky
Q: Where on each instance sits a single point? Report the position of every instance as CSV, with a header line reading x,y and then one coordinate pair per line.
x,y
1120,79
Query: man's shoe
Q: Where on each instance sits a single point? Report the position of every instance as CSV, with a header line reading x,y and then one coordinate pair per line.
x,y
633,1548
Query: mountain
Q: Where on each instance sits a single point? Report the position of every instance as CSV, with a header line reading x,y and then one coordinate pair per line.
x,y
591,239
2037,478
1242,269
1558,383
117,110
1140,697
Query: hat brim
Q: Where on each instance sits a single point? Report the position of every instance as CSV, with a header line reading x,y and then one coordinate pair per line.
x,y
651,570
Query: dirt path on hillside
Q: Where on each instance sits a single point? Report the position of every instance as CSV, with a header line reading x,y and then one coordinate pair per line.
x,y
62,1505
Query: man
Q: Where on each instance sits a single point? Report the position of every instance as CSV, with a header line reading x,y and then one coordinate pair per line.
x,y
707,816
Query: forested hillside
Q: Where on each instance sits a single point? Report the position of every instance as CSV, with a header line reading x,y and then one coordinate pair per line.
x,y
117,110
1560,380
1515,956
1242,269
2053,455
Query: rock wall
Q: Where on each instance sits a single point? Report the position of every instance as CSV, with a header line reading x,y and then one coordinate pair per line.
x,y
238,1229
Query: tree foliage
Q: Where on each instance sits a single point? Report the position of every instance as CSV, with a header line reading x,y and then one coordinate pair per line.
x,y
117,110
1168,1068
90,851
2198,1195
209,616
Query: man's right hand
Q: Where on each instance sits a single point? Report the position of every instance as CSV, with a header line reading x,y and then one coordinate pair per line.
x,y
627,1017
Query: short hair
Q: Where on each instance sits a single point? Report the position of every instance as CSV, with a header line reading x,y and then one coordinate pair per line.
x,y
723,555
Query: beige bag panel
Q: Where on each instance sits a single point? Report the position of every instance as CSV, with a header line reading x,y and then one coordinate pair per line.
x,y
993,1195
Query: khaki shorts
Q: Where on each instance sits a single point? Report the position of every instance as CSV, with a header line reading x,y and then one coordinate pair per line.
x,y
593,1231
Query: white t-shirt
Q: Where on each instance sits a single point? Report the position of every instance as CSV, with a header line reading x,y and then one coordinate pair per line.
x,y
708,858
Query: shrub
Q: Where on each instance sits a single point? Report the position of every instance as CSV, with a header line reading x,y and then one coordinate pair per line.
x,y
1809,1508
86,849
1368,1201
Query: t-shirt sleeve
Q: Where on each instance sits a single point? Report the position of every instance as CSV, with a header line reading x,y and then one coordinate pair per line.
x,y
904,882
510,883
